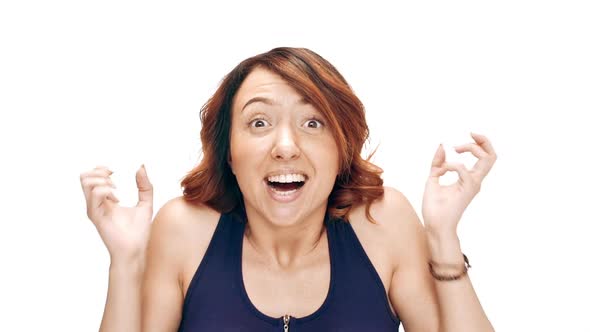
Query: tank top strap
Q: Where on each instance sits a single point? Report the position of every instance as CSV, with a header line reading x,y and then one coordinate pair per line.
x,y
361,284
214,283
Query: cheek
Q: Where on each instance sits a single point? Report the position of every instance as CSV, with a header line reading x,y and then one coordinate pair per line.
x,y
245,155
326,153
331,151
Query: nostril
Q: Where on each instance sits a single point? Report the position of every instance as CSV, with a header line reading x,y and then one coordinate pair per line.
x,y
285,153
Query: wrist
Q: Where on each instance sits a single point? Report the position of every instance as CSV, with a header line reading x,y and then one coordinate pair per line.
x,y
438,231
444,246
127,267
441,235
449,272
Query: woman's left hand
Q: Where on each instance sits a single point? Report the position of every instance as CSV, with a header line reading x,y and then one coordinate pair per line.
x,y
443,206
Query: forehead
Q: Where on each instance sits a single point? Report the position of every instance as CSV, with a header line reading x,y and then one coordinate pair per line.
x,y
264,83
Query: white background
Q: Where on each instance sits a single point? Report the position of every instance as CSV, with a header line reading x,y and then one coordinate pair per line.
x,y
120,83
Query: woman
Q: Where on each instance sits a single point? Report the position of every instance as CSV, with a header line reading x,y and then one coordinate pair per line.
x,y
284,226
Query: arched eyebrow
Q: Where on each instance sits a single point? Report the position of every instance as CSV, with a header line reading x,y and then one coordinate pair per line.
x,y
271,102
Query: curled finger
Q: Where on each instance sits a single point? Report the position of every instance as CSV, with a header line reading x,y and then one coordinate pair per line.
x,y
100,195
465,175
475,149
88,183
485,143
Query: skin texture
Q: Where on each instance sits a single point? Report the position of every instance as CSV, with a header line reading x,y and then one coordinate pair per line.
x,y
125,232
280,134
285,243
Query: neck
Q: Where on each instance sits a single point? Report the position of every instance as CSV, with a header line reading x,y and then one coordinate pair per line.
x,y
285,246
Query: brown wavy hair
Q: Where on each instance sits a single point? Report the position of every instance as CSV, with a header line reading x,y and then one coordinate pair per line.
x,y
212,182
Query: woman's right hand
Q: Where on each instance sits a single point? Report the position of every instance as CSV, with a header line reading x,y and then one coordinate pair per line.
x,y
124,230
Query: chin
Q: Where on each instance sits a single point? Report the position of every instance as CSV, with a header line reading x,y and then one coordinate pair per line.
x,y
283,217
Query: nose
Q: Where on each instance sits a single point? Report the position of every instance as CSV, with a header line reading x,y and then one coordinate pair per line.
x,y
285,146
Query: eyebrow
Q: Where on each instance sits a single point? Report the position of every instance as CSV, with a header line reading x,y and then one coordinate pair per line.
x,y
268,101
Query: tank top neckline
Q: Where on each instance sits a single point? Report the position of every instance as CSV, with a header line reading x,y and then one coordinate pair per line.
x,y
273,320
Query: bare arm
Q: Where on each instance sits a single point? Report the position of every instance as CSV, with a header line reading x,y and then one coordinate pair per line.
x,y
442,208
162,299
459,306
423,303
148,291
144,291
124,231
145,295
123,297
412,291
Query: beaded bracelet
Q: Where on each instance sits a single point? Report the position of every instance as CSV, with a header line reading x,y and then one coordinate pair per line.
x,y
440,277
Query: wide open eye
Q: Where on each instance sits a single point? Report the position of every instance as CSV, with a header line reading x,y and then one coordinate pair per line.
x,y
258,123
314,123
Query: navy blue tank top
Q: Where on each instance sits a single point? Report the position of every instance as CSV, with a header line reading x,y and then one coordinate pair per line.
x,y
216,299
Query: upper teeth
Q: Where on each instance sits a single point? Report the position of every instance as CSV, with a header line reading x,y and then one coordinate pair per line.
x,y
287,178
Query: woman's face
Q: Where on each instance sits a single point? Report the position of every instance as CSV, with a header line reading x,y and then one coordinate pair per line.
x,y
283,154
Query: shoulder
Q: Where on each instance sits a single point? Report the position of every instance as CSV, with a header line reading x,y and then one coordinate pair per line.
x,y
179,219
177,229
176,208
180,228
397,225
393,212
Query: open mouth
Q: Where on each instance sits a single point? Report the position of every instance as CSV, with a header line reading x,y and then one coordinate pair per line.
x,y
286,186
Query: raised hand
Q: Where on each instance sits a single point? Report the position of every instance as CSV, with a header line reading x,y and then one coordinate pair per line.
x,y
443,206
124,230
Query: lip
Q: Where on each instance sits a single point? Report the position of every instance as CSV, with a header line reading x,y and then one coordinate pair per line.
x,y
284,199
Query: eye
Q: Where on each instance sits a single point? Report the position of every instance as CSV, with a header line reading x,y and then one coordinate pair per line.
x,y
314,123
258,123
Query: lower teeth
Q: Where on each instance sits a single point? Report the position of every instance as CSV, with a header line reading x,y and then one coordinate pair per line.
x,y
283,193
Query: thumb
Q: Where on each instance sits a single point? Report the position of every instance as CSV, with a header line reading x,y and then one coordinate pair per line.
x,y
144,187
436,168
439,157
